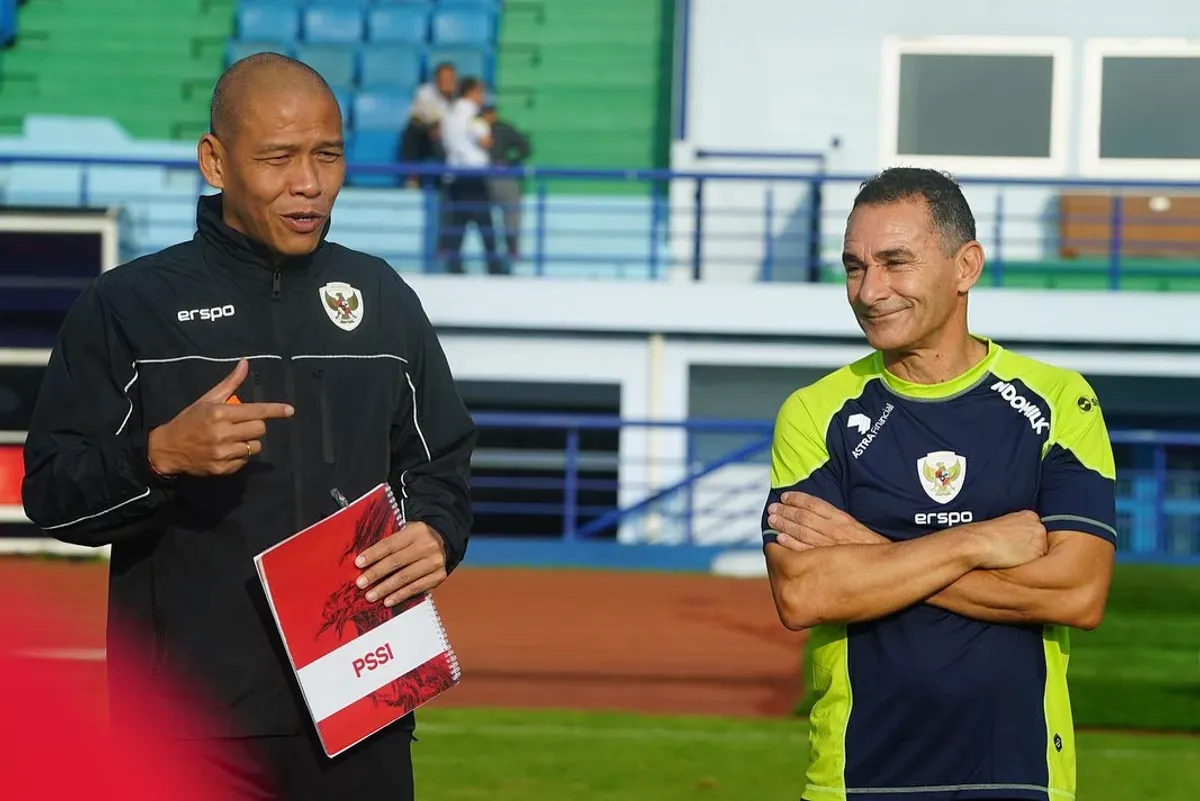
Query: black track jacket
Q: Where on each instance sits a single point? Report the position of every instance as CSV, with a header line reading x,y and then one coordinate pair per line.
x,y
374,402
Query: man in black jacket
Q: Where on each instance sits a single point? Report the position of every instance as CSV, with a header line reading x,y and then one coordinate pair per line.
x,y
339,382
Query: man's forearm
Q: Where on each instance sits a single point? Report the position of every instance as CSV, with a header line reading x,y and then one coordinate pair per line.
x,y
999,596
1050,590
1015,595
853,583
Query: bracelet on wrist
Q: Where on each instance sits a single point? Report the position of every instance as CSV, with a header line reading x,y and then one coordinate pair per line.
x,y
158,473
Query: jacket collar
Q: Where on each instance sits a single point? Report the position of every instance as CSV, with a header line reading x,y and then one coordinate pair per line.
x,y
238,253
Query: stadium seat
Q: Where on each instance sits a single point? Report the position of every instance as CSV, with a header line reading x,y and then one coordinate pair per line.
x,y
475,61
336,63
462,26
390,66
406,23
380,110
373,147
8,21
236,50
333,24
267,21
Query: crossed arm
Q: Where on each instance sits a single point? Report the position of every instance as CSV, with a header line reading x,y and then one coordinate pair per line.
x,y
826,567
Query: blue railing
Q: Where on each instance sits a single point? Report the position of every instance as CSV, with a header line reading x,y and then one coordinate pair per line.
x,y
8,21
706,482
768,225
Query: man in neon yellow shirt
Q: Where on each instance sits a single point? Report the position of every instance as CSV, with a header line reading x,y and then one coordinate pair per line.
x,y
941,512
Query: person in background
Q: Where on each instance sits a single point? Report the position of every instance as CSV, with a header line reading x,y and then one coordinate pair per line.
x,y
510,148
468,143
422,137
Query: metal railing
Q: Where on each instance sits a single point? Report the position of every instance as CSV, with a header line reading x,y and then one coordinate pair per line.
x,y
706,482
573,478
649,224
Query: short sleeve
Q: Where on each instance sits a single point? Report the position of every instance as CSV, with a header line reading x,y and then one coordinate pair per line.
x,y
800,459
1078,486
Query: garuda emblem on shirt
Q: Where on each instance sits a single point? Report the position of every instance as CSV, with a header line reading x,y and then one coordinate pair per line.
x,y
343,304
941,474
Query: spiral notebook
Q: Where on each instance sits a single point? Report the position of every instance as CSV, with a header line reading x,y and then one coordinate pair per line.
x,y
361,666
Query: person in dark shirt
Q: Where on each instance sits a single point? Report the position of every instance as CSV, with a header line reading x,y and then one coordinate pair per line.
x,y
941,513
510,148
198,408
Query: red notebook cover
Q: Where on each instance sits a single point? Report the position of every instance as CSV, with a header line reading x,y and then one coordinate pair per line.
x,y
360,665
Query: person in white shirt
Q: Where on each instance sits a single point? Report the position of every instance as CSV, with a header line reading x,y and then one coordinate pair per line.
x,y
467,140
432,100
421,139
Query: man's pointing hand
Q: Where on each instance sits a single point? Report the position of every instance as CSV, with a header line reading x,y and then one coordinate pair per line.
x,y
213,437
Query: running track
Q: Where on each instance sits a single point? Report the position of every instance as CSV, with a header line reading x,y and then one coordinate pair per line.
x,y
570,639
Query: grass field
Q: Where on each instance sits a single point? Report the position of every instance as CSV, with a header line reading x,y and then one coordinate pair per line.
x,y
1141,668
470,755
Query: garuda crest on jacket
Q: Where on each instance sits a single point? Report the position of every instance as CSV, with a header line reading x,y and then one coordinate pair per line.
x,y
343,303
942,474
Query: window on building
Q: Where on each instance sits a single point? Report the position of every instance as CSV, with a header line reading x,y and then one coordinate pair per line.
x,y
994,106
1140,115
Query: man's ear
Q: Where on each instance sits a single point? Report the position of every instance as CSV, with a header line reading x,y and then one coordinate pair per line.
x,y
969,264
211,155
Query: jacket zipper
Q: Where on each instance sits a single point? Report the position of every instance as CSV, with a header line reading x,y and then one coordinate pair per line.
x,y
326,427
256,395
289,383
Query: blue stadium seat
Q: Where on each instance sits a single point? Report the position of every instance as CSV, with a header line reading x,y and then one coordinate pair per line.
x,y
475,61
381,110
236,50
8,20
373,147
267,21
462,26
333,24
390,66
336,63
350,3
407,23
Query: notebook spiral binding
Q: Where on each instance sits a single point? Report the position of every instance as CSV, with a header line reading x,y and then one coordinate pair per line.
x,y
451,657
396,507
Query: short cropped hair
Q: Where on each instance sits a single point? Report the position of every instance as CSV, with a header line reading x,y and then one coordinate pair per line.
x,y
942,195
232,85
468,85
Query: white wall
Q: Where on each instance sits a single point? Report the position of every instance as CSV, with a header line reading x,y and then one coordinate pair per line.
x,y
557,307
796,76
788,75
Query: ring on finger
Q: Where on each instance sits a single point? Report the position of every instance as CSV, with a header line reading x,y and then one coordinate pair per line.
x,y
249,451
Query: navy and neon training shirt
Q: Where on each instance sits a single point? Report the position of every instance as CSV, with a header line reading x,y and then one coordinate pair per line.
x,y
925,704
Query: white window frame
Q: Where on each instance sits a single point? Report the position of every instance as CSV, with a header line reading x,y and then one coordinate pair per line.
x,y
1090,162
1057,47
